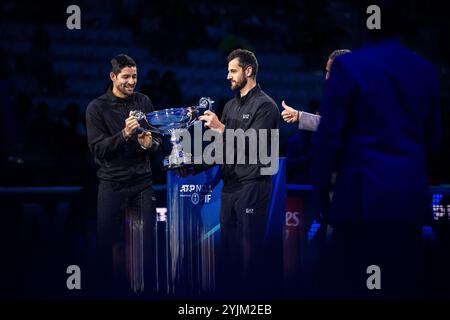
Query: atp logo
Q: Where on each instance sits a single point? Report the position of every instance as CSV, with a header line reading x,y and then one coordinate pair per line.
x,y
196,187
198,193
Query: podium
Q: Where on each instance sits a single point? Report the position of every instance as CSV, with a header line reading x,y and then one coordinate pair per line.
x,y
193,227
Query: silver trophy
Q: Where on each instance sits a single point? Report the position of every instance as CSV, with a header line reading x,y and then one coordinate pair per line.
x,y
174,121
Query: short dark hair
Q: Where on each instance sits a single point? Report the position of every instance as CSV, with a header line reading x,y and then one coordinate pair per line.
x,y
246,59
121,61
338,52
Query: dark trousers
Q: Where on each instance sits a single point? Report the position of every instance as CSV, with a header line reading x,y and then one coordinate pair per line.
x,y
247,265
126,239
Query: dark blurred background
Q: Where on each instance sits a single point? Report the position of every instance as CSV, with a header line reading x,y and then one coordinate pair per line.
x,y
48,75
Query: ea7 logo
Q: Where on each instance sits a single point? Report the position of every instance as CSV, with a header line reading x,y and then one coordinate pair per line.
x,y
246,116
249,210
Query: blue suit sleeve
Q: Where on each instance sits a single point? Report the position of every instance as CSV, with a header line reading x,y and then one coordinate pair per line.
x,y
328,140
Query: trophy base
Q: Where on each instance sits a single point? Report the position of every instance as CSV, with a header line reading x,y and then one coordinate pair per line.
x,y
181,162
174,166
174,162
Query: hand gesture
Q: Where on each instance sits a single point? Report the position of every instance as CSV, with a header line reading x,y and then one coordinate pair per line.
x,y
289,114
131,125
145,139
212,122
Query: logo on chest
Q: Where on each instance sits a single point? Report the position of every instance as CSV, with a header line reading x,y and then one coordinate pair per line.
x,y
246,116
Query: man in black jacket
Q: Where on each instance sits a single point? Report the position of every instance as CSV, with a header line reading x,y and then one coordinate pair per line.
x,y
246,192
125,205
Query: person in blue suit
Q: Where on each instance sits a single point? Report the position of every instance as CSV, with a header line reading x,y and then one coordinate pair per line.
x,y
379,121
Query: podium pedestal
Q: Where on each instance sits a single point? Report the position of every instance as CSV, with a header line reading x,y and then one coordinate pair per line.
x,y
193,233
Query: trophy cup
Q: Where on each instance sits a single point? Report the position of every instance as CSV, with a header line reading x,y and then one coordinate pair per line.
x,y
174,121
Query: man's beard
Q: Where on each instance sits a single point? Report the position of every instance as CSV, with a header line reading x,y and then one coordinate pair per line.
x,y
124,91
238,85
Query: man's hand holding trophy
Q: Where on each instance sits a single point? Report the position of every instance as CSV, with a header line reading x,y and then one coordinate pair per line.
x,y
173,122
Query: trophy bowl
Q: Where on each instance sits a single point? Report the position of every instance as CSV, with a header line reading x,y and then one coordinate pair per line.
x,y
173,121
167,119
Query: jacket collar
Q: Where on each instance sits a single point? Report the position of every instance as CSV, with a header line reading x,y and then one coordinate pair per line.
x,y
113,98
249,94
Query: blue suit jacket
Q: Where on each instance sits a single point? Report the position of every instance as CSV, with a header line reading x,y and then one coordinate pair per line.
x,y
380,116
